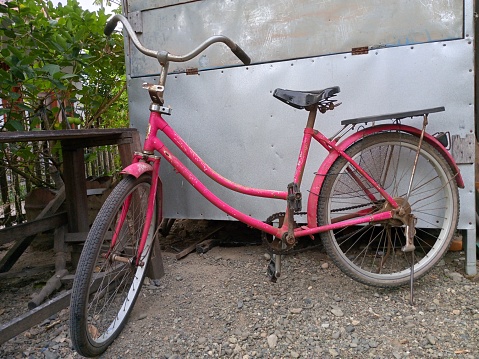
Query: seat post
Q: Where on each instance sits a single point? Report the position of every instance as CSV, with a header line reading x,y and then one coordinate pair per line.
x,y
313,110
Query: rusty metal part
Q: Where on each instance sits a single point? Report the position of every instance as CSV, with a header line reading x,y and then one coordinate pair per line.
x,y
127,260
191,71
156,92
363,50
294,197
410,233
400,214
274,244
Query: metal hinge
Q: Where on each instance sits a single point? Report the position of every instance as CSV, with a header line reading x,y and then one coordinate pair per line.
x,y
463,149
136,21
360,50
192,71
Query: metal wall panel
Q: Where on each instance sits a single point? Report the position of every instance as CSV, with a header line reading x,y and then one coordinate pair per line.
x,y
287,29
231,120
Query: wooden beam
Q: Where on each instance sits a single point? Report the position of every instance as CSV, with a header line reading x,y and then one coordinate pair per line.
x,y
33,317
64,135
23,230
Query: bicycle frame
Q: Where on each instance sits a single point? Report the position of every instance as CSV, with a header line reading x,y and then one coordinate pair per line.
x,y
152,142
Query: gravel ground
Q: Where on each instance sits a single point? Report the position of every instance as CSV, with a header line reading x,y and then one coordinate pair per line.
x,y
221,304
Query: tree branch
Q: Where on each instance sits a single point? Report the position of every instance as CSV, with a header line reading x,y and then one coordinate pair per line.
x,y
105,106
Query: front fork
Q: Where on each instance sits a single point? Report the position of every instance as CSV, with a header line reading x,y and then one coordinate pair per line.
x,y
137,257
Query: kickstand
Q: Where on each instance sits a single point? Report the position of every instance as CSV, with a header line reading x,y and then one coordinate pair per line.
x,y
411,294
274,268
271,271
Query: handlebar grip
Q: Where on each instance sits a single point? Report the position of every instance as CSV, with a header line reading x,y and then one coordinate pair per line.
x,y
110,26
240,54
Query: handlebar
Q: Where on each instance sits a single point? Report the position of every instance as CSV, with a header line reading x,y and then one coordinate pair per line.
x,y
164,56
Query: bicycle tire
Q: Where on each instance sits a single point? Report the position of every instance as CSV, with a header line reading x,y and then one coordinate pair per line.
x,y
371,253
97,315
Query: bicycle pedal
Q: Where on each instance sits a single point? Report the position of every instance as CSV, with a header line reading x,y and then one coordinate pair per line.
x,y
271,270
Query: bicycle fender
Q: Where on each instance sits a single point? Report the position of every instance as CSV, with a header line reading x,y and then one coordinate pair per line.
x,y
137,169
328,162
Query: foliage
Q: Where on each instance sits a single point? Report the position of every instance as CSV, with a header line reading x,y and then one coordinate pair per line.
x,y
57,55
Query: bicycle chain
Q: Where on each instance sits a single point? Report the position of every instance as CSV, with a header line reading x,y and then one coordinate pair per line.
x,y
285,251
352,207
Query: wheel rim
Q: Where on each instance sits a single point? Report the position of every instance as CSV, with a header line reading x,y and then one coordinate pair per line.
x,y
115,285
374,251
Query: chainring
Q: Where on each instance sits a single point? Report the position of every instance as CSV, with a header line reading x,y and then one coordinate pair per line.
x,y
273,245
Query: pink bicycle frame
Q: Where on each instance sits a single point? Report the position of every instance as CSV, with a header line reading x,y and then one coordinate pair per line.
x,y
152,142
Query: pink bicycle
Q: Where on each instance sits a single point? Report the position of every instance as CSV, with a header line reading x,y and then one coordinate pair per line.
x,y
384,202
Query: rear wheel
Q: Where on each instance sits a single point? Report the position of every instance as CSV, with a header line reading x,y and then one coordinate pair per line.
x,y
106,287
371,253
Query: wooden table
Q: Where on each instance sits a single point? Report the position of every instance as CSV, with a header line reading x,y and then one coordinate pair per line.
x,y
73,143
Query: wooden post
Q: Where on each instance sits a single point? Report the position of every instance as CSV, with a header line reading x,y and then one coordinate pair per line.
x,y
77,206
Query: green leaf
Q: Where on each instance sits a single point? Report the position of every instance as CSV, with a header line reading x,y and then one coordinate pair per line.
x,y
14,125
14,95
51,69
23,106
26,154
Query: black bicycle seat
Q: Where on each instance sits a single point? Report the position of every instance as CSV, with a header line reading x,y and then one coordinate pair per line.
x,y
303,99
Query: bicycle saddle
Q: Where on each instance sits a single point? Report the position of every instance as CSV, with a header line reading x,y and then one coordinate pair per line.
x,y
303,99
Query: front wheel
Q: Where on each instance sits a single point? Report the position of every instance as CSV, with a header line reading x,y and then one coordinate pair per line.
x,y
372,253
106,287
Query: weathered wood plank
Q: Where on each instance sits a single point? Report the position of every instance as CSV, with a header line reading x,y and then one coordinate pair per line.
x,y
33,317
45,135
24,230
